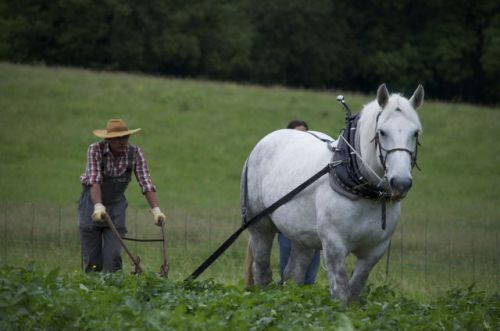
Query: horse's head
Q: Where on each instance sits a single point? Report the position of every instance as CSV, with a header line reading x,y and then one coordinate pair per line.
x,y
394,137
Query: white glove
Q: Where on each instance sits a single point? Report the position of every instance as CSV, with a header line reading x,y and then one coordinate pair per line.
x,y
99,213
158,216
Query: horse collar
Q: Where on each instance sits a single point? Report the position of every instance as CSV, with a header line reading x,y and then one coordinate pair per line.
x,y
346,177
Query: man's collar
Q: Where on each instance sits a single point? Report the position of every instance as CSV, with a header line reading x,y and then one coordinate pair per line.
x,y
106,149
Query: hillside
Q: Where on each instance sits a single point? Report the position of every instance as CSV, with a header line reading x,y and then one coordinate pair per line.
x,y
197,134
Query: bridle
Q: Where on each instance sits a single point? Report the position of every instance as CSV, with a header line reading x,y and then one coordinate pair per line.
x,y
381,149
346,178
383,158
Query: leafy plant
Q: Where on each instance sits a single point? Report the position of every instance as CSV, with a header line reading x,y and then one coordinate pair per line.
x,y
32,299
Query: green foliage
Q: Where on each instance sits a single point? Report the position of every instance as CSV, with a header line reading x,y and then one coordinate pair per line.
x,y
449,46
31,299
299,45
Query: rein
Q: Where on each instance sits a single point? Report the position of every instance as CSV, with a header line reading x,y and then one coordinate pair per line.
x,y
347,179
246,223
363,188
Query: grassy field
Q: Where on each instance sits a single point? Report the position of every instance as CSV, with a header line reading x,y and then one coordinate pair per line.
x,y
196,136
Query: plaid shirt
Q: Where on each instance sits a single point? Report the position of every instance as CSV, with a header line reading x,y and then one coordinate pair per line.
x,y
115,166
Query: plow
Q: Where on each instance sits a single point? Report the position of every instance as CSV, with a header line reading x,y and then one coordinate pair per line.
x,y
136,260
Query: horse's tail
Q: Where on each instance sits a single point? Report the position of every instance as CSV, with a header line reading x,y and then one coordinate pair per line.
x,y
248,265
244,193
244,216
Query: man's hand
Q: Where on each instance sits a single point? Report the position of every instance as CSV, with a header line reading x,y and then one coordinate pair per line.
x,y
99,214
158,216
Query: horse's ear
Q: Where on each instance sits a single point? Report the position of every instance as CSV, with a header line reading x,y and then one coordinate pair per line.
x,y
382,96
417,99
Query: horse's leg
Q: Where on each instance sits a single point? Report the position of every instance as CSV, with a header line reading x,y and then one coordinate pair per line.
x,y
335,254
364,265
299,261
262,236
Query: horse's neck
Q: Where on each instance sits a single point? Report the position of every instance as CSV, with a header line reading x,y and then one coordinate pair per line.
x,y
366,145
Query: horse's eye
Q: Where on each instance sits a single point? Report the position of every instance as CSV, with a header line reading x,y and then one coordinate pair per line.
x,y
382,133
415,134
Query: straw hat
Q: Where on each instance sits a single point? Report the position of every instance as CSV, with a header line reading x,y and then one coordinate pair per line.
x,y
115,128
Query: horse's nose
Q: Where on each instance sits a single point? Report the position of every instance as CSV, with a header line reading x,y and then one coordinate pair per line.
x,y
400,186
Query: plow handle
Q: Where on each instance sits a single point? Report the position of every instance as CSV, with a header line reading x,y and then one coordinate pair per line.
x,y
164,267
135,260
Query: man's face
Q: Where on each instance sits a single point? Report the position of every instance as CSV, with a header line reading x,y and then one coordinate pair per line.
x,y
118,145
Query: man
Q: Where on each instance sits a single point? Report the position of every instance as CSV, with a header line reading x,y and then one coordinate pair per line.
x,y
298,125
285,244
110,164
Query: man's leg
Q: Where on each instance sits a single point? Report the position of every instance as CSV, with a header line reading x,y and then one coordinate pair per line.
x,y
111,254
112,260
90,234
285,248
312,270
91,244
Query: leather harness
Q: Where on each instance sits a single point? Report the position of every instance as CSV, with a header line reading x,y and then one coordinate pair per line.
x,y
346,178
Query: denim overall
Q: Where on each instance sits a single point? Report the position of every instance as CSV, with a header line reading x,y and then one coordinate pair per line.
x,y
101,250
285,250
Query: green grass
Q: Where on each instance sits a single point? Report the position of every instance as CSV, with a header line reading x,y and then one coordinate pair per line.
x,y
196,136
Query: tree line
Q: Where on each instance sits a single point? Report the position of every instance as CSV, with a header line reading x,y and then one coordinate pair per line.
x,y
452,47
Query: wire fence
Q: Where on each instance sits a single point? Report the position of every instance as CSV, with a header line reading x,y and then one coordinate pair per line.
x,y
421,254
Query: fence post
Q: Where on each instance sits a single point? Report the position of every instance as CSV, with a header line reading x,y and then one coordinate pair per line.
x,y
136,230
498,260
473,258
450,254
185,234
5,231
209,232
387,261
60,248
401,256
32,231
425,252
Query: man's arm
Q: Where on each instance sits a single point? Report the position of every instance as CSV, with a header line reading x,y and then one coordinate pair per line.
x,y
95,193
158,216
99,213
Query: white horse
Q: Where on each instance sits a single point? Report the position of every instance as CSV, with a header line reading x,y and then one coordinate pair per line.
x,y
321,218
